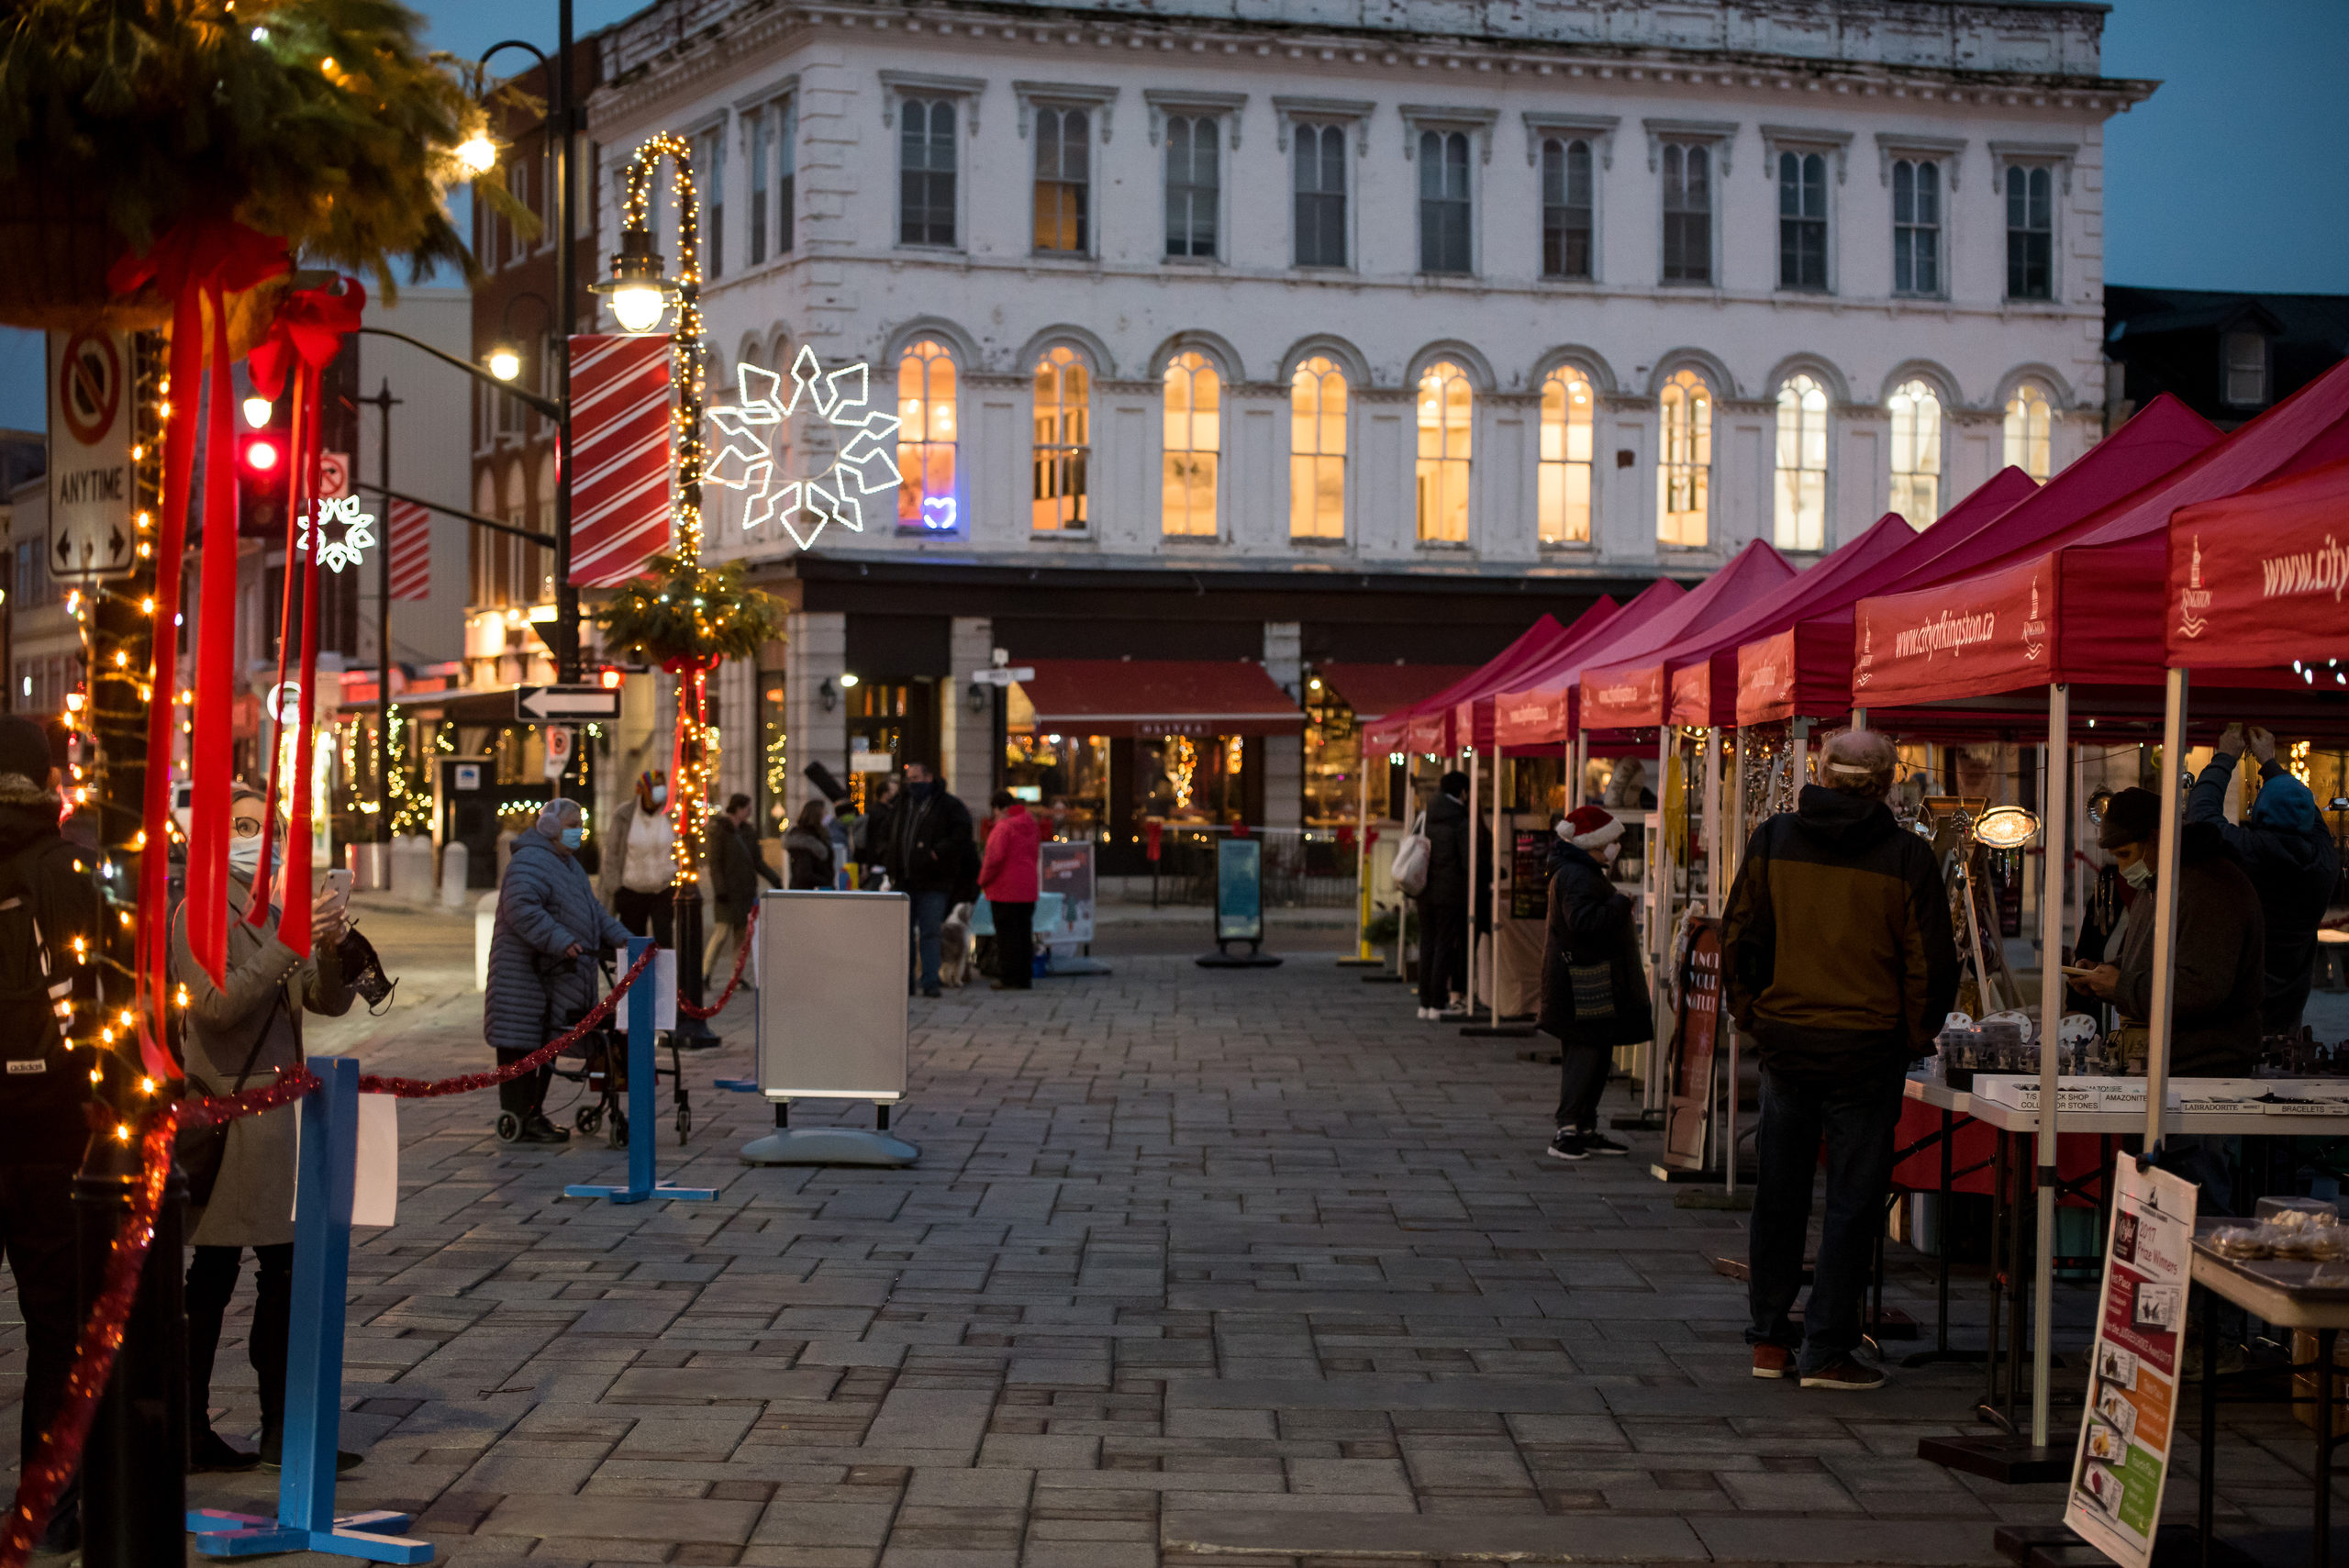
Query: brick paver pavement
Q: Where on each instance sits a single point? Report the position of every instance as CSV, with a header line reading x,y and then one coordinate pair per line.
x,y
1240,1265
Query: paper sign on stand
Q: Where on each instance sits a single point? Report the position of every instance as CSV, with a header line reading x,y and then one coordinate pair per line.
x,y
2123,1458
375,1195
664,988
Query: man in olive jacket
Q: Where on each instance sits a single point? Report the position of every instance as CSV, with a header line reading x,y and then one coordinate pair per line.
x,y
1839,962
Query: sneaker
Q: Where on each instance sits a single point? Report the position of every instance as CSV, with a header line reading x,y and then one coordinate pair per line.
x,y
211,1454
1844,1374
1772,1360
1599,1144
1569,1145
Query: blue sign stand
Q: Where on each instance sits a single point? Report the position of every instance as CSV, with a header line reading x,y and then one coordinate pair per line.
x,y
643,1180
1239,906
306,1519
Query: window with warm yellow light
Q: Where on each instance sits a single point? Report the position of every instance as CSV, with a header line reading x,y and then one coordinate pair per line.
x,y
1193,415
1916,453
1563,487
2029,425
1063,443
1446,414
927,501
1683,471
1316,451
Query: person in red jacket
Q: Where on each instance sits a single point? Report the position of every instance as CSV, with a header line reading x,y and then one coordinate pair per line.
x,y
1007,877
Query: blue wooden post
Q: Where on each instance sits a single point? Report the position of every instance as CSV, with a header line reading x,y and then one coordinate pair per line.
x,y
306,1519
643,1181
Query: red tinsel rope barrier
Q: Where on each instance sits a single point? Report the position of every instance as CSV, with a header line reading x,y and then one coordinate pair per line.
x,y
433,1088
741,952
58,1450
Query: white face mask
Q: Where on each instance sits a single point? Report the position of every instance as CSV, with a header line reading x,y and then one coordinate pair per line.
x,y
1613,851
660,796
244,854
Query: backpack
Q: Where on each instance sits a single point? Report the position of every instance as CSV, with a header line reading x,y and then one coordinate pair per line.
x,y
1410,869
30,996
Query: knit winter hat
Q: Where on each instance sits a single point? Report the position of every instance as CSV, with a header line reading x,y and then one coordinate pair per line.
x,y
1589,828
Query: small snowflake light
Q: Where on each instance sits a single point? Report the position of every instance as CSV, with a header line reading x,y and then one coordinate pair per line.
x,y
866,464
342,534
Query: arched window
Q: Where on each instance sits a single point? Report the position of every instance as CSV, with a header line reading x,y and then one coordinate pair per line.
x,y
1684,476
1917,453
1194,398
2029,421
1316,451
926,500
1801,522
1063,441
1447,408
1563,487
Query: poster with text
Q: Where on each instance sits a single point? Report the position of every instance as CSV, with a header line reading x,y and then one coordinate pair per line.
x,y
1067,869
2124,1457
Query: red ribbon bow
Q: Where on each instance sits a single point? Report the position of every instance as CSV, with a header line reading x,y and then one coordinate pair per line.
x,y
310,326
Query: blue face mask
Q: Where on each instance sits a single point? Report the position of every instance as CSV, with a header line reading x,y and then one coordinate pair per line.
x,y
571,836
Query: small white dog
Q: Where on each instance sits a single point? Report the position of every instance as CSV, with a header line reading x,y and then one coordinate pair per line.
x,y
954,948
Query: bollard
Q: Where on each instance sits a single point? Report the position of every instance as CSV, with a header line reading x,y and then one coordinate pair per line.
x,y
642,1179
305,1519
134,1463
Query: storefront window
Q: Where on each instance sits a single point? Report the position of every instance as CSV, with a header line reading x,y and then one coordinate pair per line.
x,y
1065,779
1332,758
1190,779
774,769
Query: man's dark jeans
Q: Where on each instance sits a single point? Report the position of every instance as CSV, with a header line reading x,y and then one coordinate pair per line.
x,y
929,911
1855,1115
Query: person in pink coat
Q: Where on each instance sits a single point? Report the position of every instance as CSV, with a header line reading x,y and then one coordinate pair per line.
x,y
1007,877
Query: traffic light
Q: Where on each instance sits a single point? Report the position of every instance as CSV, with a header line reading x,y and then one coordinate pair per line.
x,y
264,464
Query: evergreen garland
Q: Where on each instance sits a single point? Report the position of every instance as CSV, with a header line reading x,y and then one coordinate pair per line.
x,y
320,121
686,610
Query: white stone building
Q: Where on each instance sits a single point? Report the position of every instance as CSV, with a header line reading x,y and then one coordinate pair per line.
x,y
1312,329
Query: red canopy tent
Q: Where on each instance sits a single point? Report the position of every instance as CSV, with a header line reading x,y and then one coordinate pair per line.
x,y
1627,692
1806,668
1539,709
1398,725
1374,691
1473,723
2258,578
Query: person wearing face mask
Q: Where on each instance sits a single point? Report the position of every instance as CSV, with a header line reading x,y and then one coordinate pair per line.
x,y
934,860
1594,988
242,1034
1837,958
542,951
2288,854
640,863
2221,945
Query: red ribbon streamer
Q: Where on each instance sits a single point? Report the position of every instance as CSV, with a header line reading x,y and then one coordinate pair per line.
x,y
198,263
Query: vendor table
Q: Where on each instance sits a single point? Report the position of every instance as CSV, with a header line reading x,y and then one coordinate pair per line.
x,y
2014,1178
2290,1295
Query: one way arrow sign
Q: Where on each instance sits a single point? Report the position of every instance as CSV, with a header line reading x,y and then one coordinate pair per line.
x,y
539,704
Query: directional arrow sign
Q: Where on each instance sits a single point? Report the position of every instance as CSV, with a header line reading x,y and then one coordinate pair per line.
x,y
538,704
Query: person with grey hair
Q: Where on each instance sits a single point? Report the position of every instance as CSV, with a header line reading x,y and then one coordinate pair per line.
x,y
542,951
1839,960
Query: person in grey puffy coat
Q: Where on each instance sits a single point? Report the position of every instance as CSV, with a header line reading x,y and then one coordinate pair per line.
x,y
542,951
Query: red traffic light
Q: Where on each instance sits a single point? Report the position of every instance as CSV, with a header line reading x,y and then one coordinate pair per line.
x,y
263,455
612,678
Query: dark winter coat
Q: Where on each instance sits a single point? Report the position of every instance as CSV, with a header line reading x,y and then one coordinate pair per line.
x,y
1447,830
40,1111
544,905
2293,865
264,989
1836,951
809,856
736,866
2221,961
1590,922
931,846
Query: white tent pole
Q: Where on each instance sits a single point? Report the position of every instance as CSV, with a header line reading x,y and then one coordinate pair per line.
x,y
2166,879
1403,899
1471,998
1492,980
1659,869
2050,1012
1859,718
1716,882
1362,846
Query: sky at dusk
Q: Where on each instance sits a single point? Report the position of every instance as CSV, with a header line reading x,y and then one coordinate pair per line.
x,y
2227,178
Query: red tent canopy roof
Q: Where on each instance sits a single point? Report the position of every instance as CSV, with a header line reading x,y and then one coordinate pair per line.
x,y
1373,691
2258,578
1539,708
1529,643
1627,692
1146,698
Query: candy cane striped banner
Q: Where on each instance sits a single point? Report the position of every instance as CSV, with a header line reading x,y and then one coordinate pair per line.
x,y
621,427
411,547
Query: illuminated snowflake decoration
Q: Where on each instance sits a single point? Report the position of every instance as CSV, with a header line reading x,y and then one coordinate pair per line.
x,y
866,464
350,546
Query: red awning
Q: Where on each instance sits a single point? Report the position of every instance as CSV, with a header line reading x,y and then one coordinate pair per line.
x,y
2256,578
1150,697
1374,691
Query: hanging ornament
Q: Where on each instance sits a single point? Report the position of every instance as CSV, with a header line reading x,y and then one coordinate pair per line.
x,y
865,463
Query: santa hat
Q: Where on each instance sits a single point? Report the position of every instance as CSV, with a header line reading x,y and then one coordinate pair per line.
x,y
1589,828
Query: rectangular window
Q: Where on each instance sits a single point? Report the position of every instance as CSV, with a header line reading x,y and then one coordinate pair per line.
x,y
1567,210
1064,182
786,176
926,173
2246,357
754,132
1687,213
710,170
1802,221
1444,202
1194,187
1916,228
2031,233
1320,196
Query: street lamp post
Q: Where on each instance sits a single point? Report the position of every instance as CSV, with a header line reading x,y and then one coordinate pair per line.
x,y
384,402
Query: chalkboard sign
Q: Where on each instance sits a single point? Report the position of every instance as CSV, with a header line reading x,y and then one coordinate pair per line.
x,y
1240,890
1529,878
